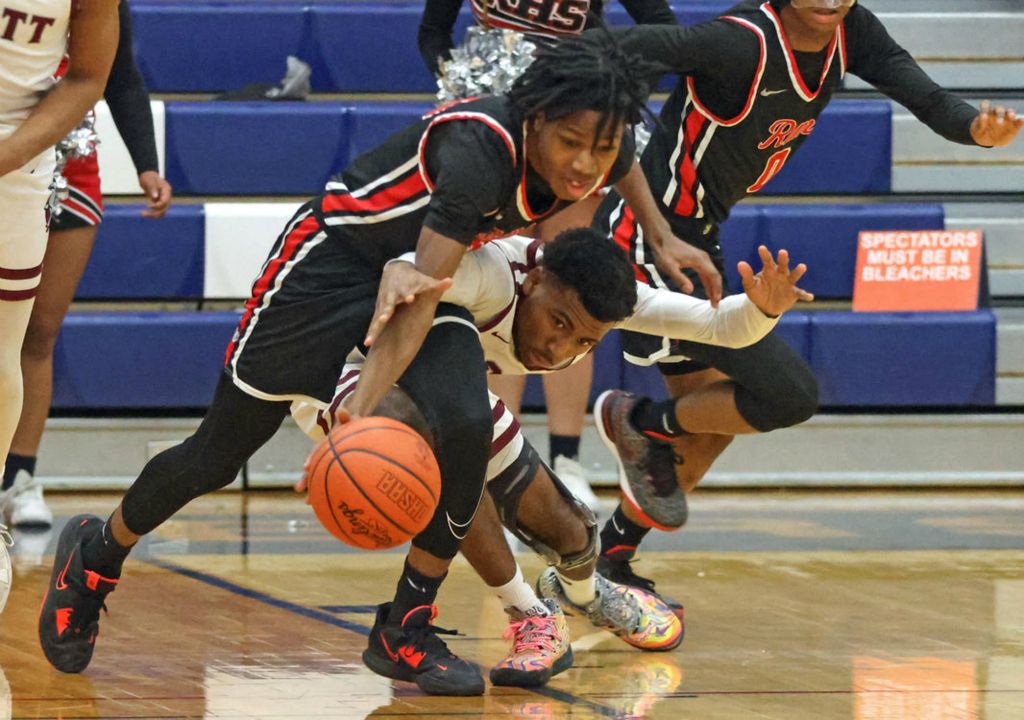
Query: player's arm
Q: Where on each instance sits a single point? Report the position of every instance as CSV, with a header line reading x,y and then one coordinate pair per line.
x,y
128,99
650,12
671,253
881,61
434,37
714,48
92,41
739,320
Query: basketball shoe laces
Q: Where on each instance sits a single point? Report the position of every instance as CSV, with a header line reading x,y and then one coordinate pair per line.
x,y
425,638
623,574
532,634
621,607
86,614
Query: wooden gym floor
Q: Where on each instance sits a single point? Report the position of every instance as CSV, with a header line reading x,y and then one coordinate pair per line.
x,y
869,606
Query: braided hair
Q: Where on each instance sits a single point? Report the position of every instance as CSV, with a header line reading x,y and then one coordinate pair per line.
x,y
590,72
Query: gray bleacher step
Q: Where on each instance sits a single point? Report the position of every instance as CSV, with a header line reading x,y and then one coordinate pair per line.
x,y
827,451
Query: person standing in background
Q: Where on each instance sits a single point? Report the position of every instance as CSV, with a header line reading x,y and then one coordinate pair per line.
x,y
72,232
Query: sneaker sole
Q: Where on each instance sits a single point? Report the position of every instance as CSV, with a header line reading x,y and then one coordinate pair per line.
x,y
627,491
512,677
389,669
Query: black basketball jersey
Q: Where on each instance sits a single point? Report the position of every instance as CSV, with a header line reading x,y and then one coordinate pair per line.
x,y
701,162
462,171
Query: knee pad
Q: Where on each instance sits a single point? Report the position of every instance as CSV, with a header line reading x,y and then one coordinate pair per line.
x,y
507,491
795,400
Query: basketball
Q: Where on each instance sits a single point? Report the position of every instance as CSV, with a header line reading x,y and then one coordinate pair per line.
x,y
373,482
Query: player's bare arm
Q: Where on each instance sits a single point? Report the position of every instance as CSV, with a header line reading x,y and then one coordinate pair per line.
x,y
399,326
774,290
671,252
92,42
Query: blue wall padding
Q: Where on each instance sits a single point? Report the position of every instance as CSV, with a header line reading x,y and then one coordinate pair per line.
x,y
825,237
849,151
142,258
140,360
905,358
257,148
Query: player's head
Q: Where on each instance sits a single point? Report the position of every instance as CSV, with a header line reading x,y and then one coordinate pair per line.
x,y
577,98
583,285
819,17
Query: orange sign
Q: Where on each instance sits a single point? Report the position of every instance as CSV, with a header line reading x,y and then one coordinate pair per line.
x,y
905,270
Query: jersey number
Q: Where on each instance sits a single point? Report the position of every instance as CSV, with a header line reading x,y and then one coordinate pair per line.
x,y
771,169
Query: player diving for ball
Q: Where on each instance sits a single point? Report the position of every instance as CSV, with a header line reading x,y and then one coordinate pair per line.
x,y
539,309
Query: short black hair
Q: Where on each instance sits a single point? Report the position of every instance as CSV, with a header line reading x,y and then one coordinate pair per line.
x,y
586,73
596,268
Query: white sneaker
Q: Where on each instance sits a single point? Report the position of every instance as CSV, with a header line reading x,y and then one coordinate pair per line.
x,y
5,589
570,472
23,504
30,543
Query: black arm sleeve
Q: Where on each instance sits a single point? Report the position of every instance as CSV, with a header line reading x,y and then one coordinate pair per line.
x,y
650,12
435,34
878,59
129,101
473,175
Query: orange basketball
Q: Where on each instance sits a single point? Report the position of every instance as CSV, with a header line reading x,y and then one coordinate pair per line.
x,y
373,482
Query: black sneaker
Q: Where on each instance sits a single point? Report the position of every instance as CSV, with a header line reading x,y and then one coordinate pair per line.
x,y
412,651
647,466
69,617
621,571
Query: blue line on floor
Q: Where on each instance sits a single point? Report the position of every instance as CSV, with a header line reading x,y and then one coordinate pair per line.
x,y
313,614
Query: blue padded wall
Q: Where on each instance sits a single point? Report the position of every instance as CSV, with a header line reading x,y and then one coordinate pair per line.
x,y
142,258
214,47
243,148
825,237
371,123
140,360
905,358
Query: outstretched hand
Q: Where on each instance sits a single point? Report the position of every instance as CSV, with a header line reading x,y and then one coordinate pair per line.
x,y
995,126
774,289
672,254
401,283
339,417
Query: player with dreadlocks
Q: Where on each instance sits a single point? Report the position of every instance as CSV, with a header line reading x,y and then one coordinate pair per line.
x,y
460,176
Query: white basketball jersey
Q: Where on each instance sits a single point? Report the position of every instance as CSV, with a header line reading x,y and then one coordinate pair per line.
x,y
33,40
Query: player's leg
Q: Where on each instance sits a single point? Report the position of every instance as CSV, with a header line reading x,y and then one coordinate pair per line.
x,y
567,392
66,256
403,643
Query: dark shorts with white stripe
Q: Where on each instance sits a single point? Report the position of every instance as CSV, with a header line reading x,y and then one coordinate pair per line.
x,y
312,305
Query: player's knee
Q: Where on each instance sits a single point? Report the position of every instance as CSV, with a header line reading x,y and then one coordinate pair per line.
x,y
41,337
794,399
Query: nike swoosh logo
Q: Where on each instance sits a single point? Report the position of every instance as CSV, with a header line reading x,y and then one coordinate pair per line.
x,y
664,424
392,655
619,530
60,584
464,527
765,92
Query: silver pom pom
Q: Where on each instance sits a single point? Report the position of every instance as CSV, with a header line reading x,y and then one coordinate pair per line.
x,y
641,136
79,143
487,63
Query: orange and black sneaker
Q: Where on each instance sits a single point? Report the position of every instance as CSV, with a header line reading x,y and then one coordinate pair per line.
x,y
70,615
412,651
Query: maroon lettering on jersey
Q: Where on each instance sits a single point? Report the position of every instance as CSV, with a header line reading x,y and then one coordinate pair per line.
x,y
784,132
555,16
17,17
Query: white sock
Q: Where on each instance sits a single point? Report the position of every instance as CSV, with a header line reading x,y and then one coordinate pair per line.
x,y
518,594
581,592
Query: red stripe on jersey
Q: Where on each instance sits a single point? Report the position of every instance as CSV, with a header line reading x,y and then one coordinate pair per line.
x,y
379,201
751,94
686,204
502,441
623,237
295,239
497,411
20,273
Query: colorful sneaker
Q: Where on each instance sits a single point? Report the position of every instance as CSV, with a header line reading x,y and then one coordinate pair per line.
x,y
540,649
647,467
636,616
22,503
621,571
570,472
412,651
70,615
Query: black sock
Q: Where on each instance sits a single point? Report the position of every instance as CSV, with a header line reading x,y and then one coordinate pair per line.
x,y
103,554
620,536
657,419
16,463
564,445
414,589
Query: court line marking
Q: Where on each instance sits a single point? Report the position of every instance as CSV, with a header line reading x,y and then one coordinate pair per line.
x,y
314,614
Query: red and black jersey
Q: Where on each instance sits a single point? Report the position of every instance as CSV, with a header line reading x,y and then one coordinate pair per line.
x,y
462,171
745,100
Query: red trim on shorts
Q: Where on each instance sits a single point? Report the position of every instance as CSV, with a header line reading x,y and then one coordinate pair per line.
x,y
502,441
20,273
15,295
